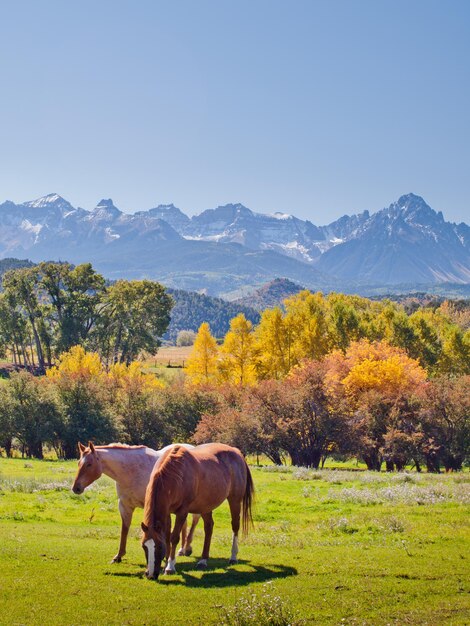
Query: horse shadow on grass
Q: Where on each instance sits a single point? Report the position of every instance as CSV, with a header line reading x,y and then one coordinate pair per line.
x,y
213,577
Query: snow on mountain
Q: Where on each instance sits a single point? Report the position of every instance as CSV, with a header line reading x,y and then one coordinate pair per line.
x,y
405,242
51,200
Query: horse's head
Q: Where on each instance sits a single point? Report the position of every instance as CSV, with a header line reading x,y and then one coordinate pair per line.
x,y
154,545
89,468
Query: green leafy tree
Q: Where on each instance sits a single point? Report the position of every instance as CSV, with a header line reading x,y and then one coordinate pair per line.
x,y
14,332
136,315
21,288
33,412
75,295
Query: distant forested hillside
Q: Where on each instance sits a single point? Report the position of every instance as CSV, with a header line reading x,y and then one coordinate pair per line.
x,y
271,294
13,264
192,309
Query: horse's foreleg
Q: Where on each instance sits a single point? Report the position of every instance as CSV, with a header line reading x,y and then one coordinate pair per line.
x,y
186,547
126,519
174,540
208,528
235,507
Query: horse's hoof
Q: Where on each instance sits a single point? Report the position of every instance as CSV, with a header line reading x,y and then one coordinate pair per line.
x,y
188,552
233,562
169,572
202,564
117,559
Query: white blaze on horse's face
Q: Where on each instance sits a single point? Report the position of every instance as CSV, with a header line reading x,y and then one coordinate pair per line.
x,y
150,545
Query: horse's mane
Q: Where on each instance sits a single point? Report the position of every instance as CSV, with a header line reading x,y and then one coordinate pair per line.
x,y
167,478
122,446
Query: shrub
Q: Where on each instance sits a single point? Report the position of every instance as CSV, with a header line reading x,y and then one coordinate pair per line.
x,y
263,609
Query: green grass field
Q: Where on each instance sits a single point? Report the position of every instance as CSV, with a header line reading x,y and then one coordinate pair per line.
x,y
336,547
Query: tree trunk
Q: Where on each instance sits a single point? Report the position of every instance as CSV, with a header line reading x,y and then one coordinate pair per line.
x,y
432,464
7,444
37,341
35,450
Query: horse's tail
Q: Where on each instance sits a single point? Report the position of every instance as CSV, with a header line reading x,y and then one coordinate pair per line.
x,y
247,518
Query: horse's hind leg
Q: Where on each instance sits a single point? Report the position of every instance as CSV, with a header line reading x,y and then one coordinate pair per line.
x,y
235,508
208,528
186,547
184,538
174,540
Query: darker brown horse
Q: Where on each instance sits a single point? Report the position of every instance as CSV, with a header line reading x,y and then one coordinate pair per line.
x,y
194,481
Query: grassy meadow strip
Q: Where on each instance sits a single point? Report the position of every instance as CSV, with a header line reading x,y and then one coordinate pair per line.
x,y
328,547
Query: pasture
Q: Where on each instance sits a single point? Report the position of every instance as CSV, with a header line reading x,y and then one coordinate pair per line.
x,y
173,356
329,547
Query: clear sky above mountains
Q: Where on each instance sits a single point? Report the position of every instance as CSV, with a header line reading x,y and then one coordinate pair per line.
x,y
307,107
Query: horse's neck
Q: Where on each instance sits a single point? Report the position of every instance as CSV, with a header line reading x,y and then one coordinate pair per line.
x,y
117,461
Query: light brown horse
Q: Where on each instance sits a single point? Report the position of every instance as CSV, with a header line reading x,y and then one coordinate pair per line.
x,y
130,467
194,481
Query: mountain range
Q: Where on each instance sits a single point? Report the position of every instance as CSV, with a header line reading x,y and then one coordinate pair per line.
x,y
228,248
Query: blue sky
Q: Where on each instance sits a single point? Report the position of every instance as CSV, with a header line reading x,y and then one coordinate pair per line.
x,y
316,108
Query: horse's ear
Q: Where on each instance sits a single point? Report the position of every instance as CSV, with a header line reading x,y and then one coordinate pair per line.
x,y
81,447
144,527
91,446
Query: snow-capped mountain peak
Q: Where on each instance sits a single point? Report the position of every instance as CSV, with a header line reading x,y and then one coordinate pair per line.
x,y
105,209
406,242
282,216
51,200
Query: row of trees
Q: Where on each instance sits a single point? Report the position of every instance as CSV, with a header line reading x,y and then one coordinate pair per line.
x,y
48,308
312,325
372,402
323,375
341,375
79,399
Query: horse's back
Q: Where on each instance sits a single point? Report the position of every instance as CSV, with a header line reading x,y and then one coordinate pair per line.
x,y
217,450
222,465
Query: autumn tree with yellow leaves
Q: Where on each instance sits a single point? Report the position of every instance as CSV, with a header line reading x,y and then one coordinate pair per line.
x,y
79,381
237,363
201,366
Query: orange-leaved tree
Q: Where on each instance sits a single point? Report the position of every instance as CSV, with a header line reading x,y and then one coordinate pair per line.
x,y
376,382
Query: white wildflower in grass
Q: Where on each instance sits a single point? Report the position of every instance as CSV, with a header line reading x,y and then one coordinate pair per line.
x,y
406,477
307,492
404,493
304,473
394,525
260,609
338,525
32,485
281,469
355,495
371,478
